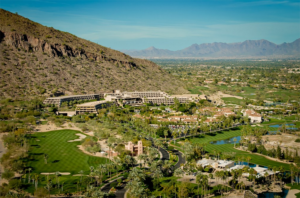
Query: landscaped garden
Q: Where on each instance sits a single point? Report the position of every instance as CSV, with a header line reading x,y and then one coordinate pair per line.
x,y
229,148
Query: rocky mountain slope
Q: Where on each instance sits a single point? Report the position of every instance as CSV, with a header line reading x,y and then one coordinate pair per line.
x,y
249,48
40,60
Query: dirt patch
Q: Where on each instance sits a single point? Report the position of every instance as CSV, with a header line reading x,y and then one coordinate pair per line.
x,y
284,141
51,127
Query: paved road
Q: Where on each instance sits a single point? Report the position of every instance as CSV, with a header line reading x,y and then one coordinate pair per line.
x,y
107,187
165,154
121,191
181,159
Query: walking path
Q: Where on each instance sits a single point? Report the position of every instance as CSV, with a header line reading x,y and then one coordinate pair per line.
x,y
292,193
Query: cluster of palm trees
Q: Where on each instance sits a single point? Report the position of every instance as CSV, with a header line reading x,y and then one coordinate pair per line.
x,y
295,170
148,158
136,183
202,180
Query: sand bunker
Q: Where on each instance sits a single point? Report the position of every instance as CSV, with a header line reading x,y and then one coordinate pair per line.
x,y
61,173
81,137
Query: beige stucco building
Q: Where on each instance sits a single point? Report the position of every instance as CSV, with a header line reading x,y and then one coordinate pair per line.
x,y
135,149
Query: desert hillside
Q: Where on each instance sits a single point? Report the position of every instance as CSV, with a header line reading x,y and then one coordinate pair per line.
x,y
37,61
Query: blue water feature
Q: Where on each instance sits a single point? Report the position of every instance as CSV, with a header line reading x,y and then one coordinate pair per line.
x,y
246,164
227,141
289,126
250,164
283,194
279,125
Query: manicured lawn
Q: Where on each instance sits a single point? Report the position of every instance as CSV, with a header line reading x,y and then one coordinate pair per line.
x,y
197,89
232,100
255,159
63,156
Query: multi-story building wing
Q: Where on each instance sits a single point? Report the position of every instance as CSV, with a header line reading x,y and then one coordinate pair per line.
x,y
59,100
91,107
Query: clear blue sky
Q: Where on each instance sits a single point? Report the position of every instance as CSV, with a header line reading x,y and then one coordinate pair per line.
x,y
165,24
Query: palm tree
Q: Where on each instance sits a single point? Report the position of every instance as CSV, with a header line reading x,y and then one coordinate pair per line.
x,y
29,169
198,181
248,158
174,134
56,175
102,169
127,160
292,168
185,132
204,183
81,174
157,174
178,172
235,140
36,180
166,133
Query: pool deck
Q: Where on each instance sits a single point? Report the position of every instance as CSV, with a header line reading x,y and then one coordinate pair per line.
x,y
292,193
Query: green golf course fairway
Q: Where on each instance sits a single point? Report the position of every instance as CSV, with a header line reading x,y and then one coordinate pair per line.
x,y
255,159
63,156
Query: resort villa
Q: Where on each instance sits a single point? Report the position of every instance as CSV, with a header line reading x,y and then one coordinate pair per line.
x,y
253,115
216,164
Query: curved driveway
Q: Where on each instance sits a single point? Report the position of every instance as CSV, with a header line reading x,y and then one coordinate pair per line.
x,y
181,160
165,154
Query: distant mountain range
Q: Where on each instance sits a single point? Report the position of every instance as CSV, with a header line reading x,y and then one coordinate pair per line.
x,y
246,49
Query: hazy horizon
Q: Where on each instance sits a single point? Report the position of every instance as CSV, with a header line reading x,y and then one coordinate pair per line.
x,y
172,25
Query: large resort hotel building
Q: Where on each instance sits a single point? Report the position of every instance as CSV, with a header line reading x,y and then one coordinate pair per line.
x,y
119,98
58,100
154,97
91,107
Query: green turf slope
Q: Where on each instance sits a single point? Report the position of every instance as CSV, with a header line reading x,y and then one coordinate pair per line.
x,y
63,156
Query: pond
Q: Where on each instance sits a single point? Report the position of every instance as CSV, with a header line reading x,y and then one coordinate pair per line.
x,y
283,194
279,125
289,127
227,141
